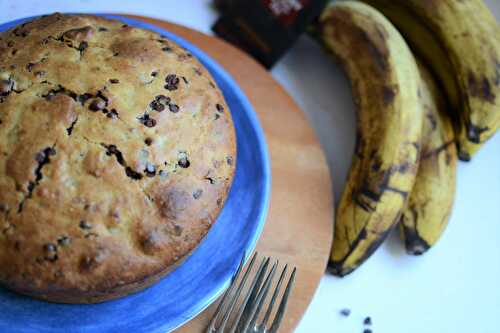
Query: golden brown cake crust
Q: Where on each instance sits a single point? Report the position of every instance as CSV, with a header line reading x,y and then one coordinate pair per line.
x,y
117,152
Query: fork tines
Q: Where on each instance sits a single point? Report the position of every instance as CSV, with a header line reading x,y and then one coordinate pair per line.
x,y
254,299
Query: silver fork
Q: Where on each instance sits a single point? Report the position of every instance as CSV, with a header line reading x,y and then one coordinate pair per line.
x,y
245,319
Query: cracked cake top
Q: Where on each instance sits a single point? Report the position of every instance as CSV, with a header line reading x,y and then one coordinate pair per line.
x,y
117,152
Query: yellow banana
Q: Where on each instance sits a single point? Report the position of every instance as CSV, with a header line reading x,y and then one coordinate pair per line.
x,y
431,199
385,82
460,40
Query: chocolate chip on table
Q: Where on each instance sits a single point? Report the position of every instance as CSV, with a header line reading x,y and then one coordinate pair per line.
x,y
197,194
173,108
184,162
219,107
64,240
114,81
97,104
345,312
367,321
85,225
172,82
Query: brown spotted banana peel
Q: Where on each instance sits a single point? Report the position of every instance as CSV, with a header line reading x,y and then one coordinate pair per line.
x,y
460,41
431,199
385,81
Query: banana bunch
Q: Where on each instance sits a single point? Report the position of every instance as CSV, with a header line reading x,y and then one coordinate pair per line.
x,y
411,129
460,41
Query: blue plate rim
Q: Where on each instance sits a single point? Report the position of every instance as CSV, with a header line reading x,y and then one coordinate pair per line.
x,y
253,119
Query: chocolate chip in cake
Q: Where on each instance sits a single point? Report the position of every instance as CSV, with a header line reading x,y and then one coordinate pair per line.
x,y
40,74
185,80
83,46
85,225
113,114
197,71
172,82
162,99
229,160
101,29
197,194
166,49
150,170
150,122
219,108
114,81
154,74
50,252
91,235
174,108
84,98
177,230
64,240
367,330
132,174
29,66
148,141
97,104
6,87
157,106
367,321
217,116
10,43
184,162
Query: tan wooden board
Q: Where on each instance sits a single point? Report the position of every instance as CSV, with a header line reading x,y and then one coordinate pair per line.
x,y
299,226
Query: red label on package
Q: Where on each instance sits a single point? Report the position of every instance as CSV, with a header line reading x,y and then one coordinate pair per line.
x,y
286,11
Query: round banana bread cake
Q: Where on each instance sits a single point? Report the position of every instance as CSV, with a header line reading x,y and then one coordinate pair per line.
x,y
117,152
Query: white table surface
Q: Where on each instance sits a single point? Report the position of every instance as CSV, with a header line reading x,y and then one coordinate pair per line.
x,y
453,288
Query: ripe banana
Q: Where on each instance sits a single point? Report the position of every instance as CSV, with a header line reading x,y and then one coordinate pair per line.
x,y
431,199
460,40
385,82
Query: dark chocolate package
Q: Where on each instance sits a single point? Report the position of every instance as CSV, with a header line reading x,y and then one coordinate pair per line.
x,y
266,29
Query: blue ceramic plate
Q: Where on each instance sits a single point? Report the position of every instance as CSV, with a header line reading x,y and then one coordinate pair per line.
x,y
204,275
